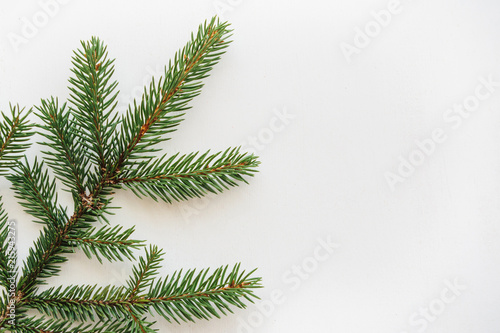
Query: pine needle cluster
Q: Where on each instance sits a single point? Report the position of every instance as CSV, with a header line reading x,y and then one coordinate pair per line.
x,y
92,150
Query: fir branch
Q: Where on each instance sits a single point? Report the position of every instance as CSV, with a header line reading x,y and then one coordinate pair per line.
x,y
41,325
15,131
145,271
122,159
181,297
196,59
37,193
109,243
138,325
187,176
82,303
45,257
162,106
67,157
202,296
93,98
43,261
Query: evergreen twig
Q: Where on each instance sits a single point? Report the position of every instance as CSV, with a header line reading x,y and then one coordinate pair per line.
x,y
93,152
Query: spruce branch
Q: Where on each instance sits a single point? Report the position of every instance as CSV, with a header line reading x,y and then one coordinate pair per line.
x,y
144,272
7,251
161,108
66,156
38,325
187,176
110,243
37,193
49,250
205,51
82,303
15,131
44,260
93,100
138,325
93,152
180,297
203,295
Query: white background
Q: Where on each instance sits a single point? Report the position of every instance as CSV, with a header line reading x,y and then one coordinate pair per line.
x,y
323,173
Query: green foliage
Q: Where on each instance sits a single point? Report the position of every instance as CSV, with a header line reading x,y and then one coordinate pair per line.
x,y
91,151
203,295
144,272
93,98
66,156
6,249
178,297
163,104
15,131
37,193
187,176
109,243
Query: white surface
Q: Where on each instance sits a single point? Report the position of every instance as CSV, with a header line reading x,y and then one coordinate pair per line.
x,y
323,174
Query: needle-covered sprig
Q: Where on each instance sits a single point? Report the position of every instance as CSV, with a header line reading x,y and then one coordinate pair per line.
x,y
179,297
92,151
110,243
180,177
7,250
93,100
163,104
37,193
66,155
15,132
